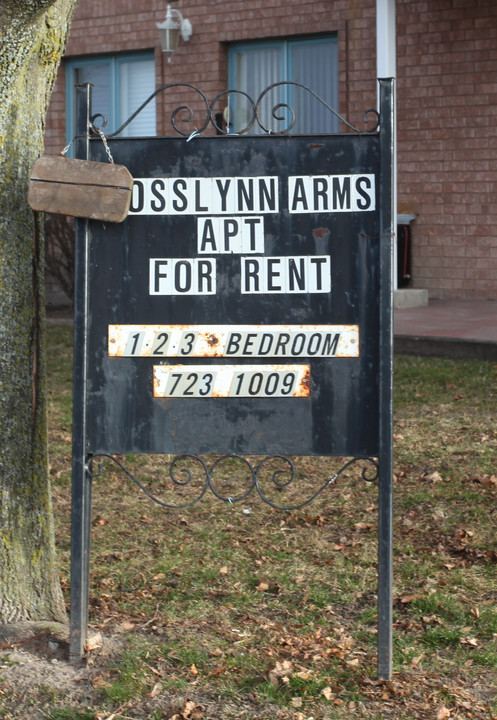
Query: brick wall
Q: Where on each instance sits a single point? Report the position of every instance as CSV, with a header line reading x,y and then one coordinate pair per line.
x,y
203,60
447,142
447,92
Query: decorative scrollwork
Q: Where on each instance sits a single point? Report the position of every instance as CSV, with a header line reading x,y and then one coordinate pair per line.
x,y
319,99
227,128
276,471
184,118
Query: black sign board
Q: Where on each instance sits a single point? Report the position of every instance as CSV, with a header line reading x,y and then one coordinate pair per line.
x,y
243,290
243,307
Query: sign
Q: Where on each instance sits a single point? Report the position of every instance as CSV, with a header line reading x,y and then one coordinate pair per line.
x,y
243,307
282,341
234,381
236,309
69,186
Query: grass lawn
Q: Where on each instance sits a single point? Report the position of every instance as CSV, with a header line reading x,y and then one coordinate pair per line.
x,y
224,611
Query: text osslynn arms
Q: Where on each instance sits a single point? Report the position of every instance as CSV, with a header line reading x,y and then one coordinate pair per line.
x,y
258,195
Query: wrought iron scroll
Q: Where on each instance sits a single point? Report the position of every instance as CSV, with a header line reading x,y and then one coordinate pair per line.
x,y
280,478
184,114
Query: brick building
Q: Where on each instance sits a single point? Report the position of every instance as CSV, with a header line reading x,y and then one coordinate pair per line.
x,y
446,94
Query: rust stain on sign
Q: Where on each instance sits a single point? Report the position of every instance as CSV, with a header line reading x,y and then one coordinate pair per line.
x,y
320,233
212,340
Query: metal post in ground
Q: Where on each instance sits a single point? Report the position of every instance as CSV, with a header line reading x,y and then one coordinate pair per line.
x,y
81,481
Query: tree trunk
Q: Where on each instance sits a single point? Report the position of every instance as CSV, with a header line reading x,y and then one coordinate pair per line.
x,y
32,39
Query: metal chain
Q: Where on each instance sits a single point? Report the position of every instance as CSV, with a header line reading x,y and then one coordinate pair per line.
x,y
104,140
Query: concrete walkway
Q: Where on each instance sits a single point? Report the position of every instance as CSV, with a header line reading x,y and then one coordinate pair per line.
x,y
453,328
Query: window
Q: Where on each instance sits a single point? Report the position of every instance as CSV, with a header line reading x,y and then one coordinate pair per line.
x,y
121,84
311,62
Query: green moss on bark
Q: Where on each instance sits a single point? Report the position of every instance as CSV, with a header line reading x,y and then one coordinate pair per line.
x,y
33,39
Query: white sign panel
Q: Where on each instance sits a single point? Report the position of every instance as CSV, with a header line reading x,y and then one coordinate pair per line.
x,y
242,341
255,381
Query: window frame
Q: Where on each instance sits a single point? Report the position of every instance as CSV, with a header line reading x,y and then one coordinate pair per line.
x,y
114,61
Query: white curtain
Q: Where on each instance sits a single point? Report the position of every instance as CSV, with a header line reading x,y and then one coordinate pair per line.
x,y
137,83
313,63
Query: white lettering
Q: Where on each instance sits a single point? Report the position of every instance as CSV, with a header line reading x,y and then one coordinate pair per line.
x,y
205,196
307,274
331,193
182,276
225,235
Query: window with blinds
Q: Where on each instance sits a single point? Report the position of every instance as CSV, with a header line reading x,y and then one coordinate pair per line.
x,y
121,84
310,62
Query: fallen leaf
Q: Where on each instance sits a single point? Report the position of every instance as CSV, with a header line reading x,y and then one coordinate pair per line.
x,y
190,711
223,570
327,693
189,707
126,626
93,642
469,641
218,671
363,527
280,673
113,715
433,477
406,599
442,713
99,682
487,480
296,702
274,680
155,690
263,586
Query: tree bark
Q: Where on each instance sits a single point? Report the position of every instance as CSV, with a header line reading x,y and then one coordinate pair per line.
x,y
33,34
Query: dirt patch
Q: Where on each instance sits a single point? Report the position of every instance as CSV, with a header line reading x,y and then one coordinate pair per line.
x,y
35,672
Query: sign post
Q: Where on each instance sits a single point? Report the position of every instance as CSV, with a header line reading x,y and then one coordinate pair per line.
x,y
81,480
385,497
243,307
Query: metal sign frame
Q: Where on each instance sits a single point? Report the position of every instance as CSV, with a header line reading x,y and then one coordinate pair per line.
x,y
88,447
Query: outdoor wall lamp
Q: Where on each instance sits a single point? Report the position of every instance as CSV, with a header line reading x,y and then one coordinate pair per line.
x,y
170,30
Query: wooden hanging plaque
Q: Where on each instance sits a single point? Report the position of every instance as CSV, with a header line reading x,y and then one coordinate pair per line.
x,y
82,188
